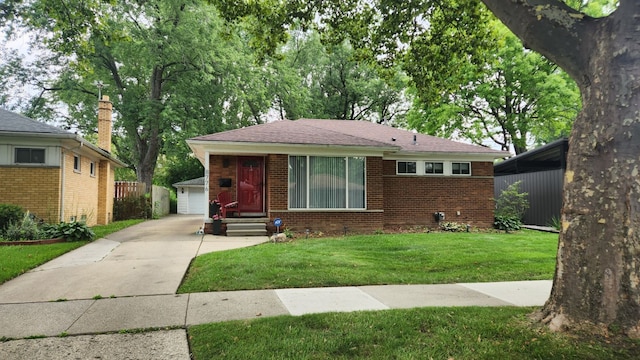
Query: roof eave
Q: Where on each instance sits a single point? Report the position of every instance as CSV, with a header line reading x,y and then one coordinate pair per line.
x,y
199,147
448,155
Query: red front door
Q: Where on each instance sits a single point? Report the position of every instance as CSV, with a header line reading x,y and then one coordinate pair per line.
x,y
251,185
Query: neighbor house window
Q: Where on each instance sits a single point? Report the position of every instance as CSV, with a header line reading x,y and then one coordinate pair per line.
x,y
76,163
318,182
92,168
407,167
433,168
29,156
461,168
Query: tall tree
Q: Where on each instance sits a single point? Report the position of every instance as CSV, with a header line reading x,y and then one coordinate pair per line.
x,y
597,279
327,81
172,68
516,98
598,273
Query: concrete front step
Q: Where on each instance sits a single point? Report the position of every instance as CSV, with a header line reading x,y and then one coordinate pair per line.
x,y
246,229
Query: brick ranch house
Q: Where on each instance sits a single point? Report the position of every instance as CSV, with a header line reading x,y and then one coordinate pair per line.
x,y
57,175
328,175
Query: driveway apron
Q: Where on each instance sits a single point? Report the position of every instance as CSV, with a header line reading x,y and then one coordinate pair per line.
x,y
146,259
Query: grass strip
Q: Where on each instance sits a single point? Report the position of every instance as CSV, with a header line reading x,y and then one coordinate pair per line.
x,y
16,260
424,333
428,258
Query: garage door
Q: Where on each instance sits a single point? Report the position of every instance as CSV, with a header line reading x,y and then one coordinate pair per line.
x,y
196,201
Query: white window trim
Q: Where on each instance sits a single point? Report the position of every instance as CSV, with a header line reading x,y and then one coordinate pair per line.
x,y
92,169
424,168
461,162
307,208
408,173
79,168
446,165
15,155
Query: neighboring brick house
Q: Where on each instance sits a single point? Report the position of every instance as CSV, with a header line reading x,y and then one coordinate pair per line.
x,y
55,174
325,175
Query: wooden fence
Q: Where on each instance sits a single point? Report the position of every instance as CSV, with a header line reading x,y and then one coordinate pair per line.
x,y
126,189
130,201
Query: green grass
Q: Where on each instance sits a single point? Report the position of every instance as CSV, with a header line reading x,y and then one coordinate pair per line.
x,y
16,260
425,333
104,230
378,259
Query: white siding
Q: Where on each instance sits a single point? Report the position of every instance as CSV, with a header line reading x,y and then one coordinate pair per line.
x,y
196,201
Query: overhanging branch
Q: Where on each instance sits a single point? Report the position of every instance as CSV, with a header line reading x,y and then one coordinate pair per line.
x,y
551,28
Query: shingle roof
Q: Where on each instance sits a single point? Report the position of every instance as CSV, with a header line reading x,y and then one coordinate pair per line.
x,y
193,182
290,132
12,122
343,133
17,125
403,138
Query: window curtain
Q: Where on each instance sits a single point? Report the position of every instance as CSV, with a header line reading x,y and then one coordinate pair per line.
x,y
317,182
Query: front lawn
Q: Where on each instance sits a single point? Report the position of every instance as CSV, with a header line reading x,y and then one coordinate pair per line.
x,y
423,333
16,260
426,258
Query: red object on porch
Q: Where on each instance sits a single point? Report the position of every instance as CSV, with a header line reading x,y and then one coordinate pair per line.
x,y
226,204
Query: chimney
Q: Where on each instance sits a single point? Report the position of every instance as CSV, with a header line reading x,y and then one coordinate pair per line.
x,y
104,123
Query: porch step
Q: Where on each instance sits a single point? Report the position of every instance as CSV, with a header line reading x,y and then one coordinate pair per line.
x,y
253,228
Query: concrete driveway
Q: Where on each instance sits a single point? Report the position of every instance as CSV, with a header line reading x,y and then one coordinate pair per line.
x,y
150,258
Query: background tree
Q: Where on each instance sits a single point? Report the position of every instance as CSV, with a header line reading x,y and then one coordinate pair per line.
x,y
172,68
516,99
328,81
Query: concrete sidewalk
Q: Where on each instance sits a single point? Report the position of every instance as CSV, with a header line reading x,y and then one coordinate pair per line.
x,y
158,311
114,315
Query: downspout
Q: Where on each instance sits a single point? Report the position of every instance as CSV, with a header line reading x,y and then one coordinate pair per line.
x,y
206,187
62,179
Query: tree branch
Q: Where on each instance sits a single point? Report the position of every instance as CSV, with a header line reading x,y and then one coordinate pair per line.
x,y
551,28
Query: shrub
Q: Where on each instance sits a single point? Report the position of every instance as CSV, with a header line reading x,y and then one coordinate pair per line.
x,y
10,214
507,223
72,231
132,207
25,229
453,227
510,208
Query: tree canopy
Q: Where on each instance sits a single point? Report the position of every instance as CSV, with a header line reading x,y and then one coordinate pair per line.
x,y
516,99
173,69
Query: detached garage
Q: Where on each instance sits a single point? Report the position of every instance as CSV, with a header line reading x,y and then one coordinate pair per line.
x,y
191,200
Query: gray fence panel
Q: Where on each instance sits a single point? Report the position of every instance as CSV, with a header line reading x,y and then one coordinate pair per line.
x,y
545,194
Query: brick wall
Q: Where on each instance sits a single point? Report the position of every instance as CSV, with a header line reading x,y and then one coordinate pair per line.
x,y
412,200
80,190
277,170
106,192
299,220
391,200
222,167
35,189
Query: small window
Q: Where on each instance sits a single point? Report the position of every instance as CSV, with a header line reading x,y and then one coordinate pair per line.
x,y
76,163
92,168
433,168
29,156
406,167
460,168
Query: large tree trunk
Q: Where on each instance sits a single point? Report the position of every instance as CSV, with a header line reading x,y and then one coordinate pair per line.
x,y
597,279
598,269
